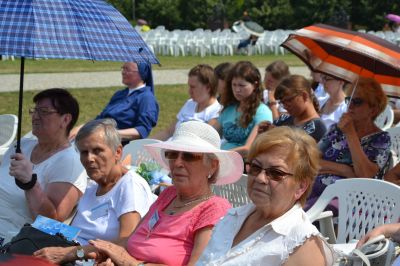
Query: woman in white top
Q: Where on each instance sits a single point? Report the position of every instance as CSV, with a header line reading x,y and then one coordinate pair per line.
x,y
331,111
116,199
45,176
273,229
202,105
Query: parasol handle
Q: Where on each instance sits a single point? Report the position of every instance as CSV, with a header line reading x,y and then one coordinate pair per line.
x,y
352,93
20,100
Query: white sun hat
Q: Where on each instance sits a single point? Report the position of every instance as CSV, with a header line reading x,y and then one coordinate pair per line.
x,y
199,137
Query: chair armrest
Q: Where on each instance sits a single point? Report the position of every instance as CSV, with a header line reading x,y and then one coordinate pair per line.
x,y
325,220
323,215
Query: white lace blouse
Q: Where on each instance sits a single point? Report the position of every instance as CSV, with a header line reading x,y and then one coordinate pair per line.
x,y
270,245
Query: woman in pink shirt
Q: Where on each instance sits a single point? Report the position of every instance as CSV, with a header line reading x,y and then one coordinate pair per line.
x,y
178,225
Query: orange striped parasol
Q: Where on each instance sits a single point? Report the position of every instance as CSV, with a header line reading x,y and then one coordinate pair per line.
x,y
347,54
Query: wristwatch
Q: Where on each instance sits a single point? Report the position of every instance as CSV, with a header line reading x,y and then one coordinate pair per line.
x,y
80,253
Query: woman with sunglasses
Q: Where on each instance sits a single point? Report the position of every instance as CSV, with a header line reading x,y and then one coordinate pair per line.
x,y
243,108
355,146
332,110
178,225
295,94
46,176
273,229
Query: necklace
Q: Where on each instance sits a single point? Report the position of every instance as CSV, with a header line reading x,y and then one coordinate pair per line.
x,y
174,206
38,155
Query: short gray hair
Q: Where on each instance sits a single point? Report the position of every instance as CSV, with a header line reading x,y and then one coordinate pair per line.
x,y
109,127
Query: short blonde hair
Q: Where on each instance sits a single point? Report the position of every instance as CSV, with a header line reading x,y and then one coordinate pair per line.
x,y
303,153
373,93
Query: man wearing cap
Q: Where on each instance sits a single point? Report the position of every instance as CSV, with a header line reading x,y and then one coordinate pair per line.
x,y
135,108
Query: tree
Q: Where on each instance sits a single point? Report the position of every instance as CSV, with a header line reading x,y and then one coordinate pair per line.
x,y
271,14
370,14
160,12
195,13
123,6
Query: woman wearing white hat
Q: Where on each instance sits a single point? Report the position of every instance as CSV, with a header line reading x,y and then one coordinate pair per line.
x,y
178,225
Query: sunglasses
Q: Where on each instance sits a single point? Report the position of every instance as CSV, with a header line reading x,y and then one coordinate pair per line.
x,y
185,156
42,111
287,99
273,173
327,78
127,70
354,101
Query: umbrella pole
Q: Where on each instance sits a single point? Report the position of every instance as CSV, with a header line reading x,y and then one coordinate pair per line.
x,y
21,91
352,93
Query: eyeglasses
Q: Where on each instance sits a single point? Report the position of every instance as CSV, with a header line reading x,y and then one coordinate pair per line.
x,y
354,101
186,156
126,70
42,111
273,173
287,99
327,78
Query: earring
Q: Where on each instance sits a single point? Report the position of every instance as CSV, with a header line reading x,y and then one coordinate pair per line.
x,y
209,176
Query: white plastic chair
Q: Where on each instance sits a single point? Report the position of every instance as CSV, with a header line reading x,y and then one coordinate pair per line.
x,y
394,133
8,130
137,151
364,204
235,193
385,119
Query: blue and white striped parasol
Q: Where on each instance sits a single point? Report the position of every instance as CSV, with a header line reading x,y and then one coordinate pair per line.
x,y
68,29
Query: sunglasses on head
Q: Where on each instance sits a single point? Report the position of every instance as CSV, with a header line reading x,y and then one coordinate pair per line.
x,y
185,156
355,101
273,173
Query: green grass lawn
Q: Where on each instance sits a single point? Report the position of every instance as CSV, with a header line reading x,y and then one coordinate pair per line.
x,y
92,101
167,62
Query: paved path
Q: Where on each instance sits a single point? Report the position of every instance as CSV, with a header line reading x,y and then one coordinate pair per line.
x,y
98,79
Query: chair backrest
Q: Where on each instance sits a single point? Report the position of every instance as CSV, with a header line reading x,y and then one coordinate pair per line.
x,y
235,193
385,119
137,151
8,129
364,204
394,133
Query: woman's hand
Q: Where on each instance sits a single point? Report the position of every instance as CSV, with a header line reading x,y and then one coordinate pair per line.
x,y
388,230
346,124
117,254
372,234
56,255
21,168
107,262
264,126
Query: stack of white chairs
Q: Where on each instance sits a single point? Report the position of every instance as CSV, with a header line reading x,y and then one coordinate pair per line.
x,y
202,42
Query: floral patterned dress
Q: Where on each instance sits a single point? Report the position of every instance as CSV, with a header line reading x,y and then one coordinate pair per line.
x,y
334,148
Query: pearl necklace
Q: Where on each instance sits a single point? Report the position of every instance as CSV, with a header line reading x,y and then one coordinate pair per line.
x,y
174,206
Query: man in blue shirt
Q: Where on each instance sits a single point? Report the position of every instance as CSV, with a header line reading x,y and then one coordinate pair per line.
x,y
135,108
